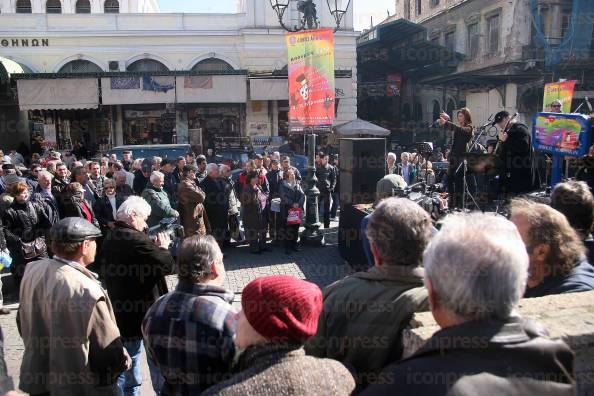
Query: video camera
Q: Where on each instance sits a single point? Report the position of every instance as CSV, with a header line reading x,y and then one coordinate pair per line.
x,y
428,197
167,226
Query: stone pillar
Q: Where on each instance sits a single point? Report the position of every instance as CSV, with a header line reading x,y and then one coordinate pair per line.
x,y
119,126
181,127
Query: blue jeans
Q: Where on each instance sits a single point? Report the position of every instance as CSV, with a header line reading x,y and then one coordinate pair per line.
x,y
335,203
156,378
130,381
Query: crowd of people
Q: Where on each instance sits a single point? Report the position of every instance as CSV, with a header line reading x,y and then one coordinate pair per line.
x,y
93,292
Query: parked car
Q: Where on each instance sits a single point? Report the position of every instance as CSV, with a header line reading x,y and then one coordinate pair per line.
x,y
169,151
234,158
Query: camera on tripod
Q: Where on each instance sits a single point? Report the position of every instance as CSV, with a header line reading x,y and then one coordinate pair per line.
x,y
167,226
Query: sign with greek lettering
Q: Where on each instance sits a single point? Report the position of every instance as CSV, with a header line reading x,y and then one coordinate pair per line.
x,y
21,42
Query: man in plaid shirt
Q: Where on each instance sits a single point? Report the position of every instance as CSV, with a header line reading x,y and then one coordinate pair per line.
x,y
189,332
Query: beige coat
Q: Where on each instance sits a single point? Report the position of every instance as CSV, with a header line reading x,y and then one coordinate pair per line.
x,y
72,343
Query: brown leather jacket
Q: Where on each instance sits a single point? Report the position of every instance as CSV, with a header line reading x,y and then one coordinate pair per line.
x,y
190,205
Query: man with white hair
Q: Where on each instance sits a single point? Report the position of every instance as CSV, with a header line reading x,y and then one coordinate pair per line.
x,y
133,269
392,168
476,270
157,198
216,203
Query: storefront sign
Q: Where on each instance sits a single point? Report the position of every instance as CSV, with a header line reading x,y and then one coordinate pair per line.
x,y
311,79
562,91
10,42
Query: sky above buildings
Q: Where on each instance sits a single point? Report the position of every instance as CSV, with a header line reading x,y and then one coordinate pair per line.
x,y
364,9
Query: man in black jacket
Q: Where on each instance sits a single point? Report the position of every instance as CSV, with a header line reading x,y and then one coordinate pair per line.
x,y
133,269
216,203
474,282
326,175
515,151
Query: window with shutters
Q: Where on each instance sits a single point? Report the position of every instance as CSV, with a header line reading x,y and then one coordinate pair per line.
x,y
53,7
450,40
473,40
83,7
23,7
493,25
111,7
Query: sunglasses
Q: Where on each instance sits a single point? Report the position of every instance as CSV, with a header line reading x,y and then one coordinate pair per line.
x,y
559,106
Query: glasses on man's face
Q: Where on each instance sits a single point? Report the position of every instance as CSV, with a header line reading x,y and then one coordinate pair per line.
x,y
35,170
556,106
109,188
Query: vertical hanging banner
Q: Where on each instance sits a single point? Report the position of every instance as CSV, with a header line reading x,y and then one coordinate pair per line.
x,y
561,91
311,79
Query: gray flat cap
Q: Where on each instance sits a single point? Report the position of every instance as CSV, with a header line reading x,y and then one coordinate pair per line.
x,y
74,229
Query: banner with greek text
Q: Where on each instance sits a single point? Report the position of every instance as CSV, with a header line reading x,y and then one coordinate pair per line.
x,y
311,79
559,91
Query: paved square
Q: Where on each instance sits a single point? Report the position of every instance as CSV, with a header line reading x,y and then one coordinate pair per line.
x,y
319,265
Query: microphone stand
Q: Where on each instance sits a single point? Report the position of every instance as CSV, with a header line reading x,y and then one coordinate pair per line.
x,y
466,191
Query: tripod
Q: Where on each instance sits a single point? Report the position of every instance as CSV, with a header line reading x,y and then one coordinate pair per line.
x,y
466,194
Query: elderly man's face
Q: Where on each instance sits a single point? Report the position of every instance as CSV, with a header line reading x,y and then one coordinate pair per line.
x,y
214,173
404,158
120,180
391,160
45,182
159,181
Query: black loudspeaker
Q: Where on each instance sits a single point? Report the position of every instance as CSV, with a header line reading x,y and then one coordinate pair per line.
x,y
362,165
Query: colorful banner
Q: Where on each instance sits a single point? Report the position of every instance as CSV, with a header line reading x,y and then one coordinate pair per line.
x,y
566,134
559,91
394,81
311,79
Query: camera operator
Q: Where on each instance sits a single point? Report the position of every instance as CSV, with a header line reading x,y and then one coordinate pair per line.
x,y
133,269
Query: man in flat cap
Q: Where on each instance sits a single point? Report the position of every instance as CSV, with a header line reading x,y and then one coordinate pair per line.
x,y
66,320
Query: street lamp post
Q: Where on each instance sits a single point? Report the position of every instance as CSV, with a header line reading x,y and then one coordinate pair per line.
x,y
308,21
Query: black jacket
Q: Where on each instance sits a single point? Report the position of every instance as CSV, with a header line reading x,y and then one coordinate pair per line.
x,y
133,270
140,182
275,179
216,203
512,357
515,154
73,207
49,206
104,212
23,222
326,175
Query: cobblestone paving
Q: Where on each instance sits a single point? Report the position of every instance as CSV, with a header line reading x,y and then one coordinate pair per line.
x,y
319,265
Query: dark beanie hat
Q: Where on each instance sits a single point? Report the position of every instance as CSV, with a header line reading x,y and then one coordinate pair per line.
x,y
282,308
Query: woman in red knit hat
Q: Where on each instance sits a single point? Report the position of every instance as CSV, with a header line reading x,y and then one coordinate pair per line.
x,y
279,313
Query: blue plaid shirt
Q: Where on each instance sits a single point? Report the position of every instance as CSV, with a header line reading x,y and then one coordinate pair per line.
x,y
189,334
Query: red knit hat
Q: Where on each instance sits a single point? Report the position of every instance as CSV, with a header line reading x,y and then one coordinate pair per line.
x,y
282,308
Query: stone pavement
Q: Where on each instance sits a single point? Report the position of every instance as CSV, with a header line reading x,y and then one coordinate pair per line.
x,y
319,265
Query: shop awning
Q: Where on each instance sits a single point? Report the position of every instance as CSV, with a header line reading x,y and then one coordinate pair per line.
x,y
58,94
137,90
269,89
212,89
278,88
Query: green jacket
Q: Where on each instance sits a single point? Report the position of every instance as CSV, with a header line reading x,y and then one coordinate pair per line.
x,y
160,205
363,318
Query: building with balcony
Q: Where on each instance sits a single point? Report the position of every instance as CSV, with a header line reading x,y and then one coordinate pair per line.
x,y
109,78
487,55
